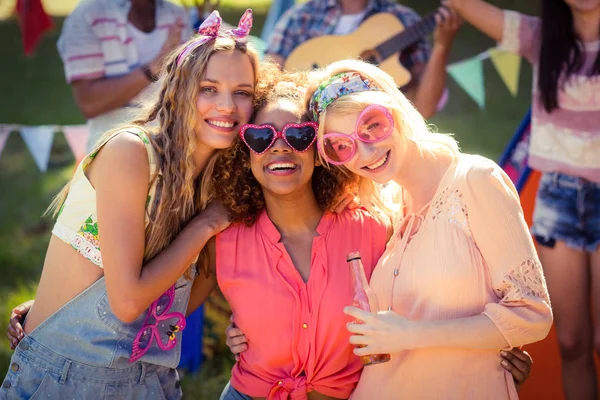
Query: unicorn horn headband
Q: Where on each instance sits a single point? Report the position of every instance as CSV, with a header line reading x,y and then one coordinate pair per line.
x,y
209,30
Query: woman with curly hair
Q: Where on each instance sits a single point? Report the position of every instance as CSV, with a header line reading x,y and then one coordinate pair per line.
x,y
130,226
282,263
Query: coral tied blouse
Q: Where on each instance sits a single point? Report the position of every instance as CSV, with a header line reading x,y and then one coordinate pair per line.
x,y
296,330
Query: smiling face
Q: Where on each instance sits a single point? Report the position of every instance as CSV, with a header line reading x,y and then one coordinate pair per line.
x,y
281,170
379,161
225,98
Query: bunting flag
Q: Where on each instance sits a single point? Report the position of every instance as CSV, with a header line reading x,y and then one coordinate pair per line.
x,y
5,130
469,75
33,22
76,136
508,66
39,142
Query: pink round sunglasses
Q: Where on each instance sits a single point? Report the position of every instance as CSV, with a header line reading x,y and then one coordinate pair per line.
x,y
374,124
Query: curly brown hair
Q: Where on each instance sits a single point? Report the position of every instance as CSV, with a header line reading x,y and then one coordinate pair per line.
x,y
235,185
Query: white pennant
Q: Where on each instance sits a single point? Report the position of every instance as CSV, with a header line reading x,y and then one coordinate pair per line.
x,y
5,130
39,142
77,136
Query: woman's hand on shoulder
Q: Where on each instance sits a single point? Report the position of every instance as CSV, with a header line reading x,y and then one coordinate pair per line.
x,y
348,201
214,217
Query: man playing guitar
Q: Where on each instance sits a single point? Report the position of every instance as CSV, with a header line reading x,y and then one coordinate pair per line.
x,y
426,64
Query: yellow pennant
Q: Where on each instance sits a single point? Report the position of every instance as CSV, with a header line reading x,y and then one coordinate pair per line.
x,y
508,66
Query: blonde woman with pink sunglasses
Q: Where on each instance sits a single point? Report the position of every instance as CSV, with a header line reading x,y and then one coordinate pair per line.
x,y
460,280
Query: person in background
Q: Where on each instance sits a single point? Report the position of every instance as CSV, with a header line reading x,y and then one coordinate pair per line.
x,y
427,65
564,48
111,52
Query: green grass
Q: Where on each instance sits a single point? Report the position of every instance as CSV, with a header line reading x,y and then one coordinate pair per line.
x,y
33,91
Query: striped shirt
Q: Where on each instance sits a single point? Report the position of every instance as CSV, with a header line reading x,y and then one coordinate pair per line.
x,y
320,17
95,42
567,140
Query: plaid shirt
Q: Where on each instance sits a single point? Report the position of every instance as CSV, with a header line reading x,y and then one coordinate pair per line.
x,y
319,17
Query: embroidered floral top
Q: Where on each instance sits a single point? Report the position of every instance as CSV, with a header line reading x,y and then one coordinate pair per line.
x,y
566,140
77,223
472,254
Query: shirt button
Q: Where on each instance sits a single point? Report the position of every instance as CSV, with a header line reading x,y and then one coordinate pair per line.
x,y
6,385
14,367
304,326
24,346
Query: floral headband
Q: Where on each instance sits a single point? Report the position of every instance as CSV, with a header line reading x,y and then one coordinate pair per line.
x,y
335,87
209,30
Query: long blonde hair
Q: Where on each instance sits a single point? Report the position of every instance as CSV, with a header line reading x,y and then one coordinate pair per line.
x,y
408,121
179,197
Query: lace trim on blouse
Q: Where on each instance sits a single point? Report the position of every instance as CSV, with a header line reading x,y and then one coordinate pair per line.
x,y
523,282
450,205
79,242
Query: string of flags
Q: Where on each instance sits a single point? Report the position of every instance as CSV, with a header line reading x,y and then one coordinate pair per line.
x,y
39,139
467,73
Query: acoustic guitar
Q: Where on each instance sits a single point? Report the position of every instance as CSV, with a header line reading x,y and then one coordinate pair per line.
x,y
377,40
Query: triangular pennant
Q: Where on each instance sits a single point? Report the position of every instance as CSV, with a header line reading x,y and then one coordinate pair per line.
x,y
33,23
39,142
5,130
469,75
77,136
508,66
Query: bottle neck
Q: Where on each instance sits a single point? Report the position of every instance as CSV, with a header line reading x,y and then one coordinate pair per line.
x,y
359,279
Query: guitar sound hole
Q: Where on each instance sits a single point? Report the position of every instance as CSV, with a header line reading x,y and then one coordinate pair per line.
x,y
371,56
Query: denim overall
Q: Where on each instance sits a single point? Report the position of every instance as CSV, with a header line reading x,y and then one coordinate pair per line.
x,y
82,352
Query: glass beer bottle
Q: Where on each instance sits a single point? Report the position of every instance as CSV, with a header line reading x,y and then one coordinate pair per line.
x,y
365,299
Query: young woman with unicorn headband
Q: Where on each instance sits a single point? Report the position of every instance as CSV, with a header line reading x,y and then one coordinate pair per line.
x,y
460,280
131,224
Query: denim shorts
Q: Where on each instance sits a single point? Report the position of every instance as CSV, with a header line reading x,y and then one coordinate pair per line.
x,y
567,209
36,372
231,393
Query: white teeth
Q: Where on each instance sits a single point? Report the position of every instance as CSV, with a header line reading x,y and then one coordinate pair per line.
x,y
221,124
274,166
378,163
